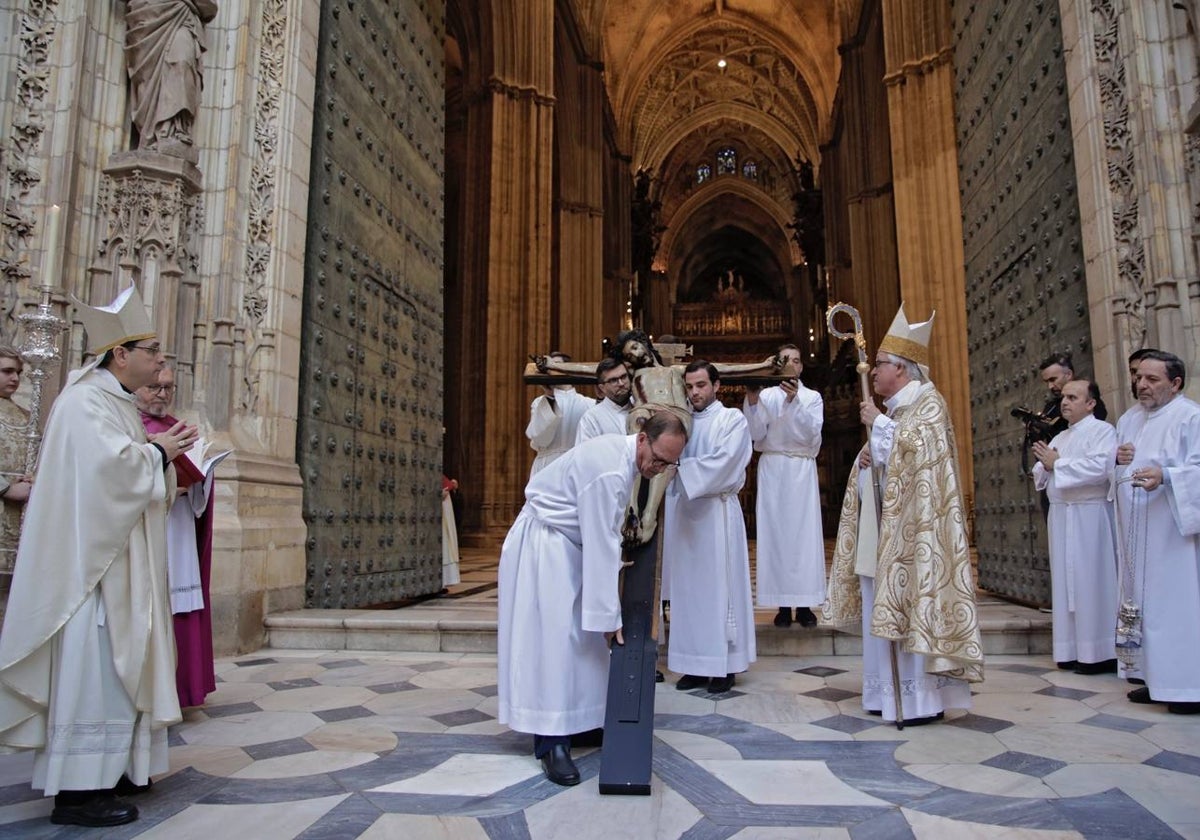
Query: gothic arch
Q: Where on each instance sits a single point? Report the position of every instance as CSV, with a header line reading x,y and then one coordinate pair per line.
x,y
652,156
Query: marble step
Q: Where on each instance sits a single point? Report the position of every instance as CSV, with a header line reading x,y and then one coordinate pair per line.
x,y
467,627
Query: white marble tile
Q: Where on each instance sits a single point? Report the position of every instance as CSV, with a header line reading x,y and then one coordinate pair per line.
x,y
262,822
1008,682
1030,708
215,761
316,698
356,735
943,745
459,677
372,674
787,783
253,728
401,723
808,732
277,672
696,746
424,703
1178,737
1170,796
581,813
421,827
668,701
304,764
468,774
1186,830
31,810
777,708
930,827
976,778
1077,743
228,693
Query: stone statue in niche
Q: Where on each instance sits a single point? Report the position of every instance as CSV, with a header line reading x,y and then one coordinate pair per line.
x,y
164,43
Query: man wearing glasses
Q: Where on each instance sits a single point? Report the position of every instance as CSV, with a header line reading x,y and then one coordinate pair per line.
x,y
559,602
610,416
87,663
189,552
712,619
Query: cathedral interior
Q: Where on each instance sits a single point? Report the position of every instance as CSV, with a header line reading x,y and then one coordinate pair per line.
x,y
385,206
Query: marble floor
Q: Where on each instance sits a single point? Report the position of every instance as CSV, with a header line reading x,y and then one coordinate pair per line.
x,y
320,744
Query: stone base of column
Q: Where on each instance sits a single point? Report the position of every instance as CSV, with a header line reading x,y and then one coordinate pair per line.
x,y
258,548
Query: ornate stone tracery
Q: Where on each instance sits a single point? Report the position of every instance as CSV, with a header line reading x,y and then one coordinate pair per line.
x,y
21,172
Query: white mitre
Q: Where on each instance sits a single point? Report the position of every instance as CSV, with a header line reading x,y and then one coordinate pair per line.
x,y
911,341
120,322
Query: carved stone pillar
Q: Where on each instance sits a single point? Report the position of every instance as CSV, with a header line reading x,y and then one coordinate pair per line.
x,y
920,84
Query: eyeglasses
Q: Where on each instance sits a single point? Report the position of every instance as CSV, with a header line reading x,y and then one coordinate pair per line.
x,y
656,461
152,349
167,390
615,380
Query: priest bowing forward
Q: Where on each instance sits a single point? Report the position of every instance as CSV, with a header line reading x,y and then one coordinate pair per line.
x,y
87,662
558,587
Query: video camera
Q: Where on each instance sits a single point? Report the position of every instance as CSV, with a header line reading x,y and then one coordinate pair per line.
x,y
1037,426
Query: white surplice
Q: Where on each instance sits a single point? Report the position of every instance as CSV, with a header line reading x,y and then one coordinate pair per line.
x,y
87,656
704,546
558,590
1163,529
790,547
922,694
552,426
1082,535
603,418
183,556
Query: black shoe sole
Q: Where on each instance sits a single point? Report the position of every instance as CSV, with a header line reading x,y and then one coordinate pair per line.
x,y
90,822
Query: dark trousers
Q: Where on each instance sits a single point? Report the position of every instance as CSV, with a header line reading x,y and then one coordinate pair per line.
x,y
542,744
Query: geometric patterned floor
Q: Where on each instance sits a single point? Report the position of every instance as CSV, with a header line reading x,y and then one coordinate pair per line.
x,y
311,744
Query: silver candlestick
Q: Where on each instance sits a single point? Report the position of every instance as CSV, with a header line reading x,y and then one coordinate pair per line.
x,y
42,355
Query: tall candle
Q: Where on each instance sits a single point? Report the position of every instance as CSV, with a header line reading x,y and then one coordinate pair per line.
x,y
52,242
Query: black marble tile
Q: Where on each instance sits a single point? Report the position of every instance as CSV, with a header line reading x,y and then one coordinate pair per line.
x,y
461,718
819,671
247,663
268,791
341,663
978,723
1111,814
1031,765
1120,724
832,694
1068,693
880,776
890,825
1034,670
846,723
486,690
286,685
20,792
706,829
392,687
1012,811
344,713
1179,762
174,738
231,709
349,818
793,815
274,749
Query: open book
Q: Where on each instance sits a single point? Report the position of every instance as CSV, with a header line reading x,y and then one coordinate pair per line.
x,y
197,464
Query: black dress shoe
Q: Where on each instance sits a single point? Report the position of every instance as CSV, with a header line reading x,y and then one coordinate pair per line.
x,y
876,712
1069,665
1108,666
689,681
805,616
126,787
559,767
1135,681
1140,695
783,618
1184,708
659,677
719,685
94,809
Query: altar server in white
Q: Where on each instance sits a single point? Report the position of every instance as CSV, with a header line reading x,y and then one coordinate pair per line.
x,y
554,420
558,589
87,659
1158,453
712,618
610,416
785,425
1075,469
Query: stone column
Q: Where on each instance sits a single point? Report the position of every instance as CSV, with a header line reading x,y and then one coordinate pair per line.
x,y
517,241
920,85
